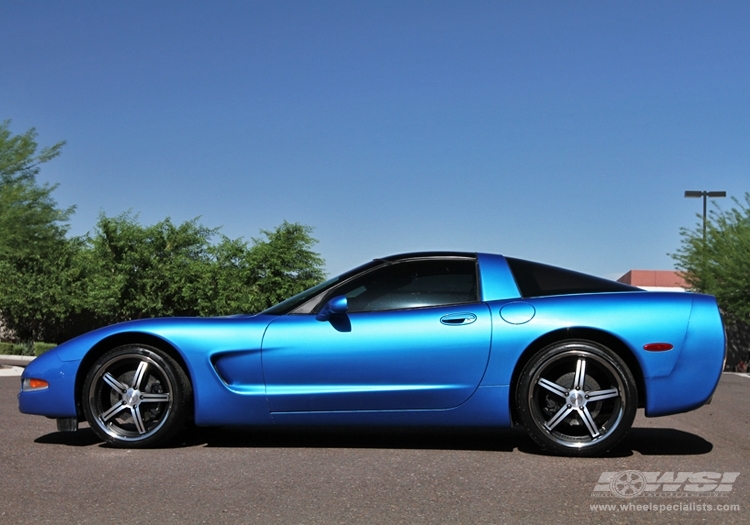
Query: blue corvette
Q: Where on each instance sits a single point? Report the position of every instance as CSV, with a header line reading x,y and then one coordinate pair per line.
x,y
434,339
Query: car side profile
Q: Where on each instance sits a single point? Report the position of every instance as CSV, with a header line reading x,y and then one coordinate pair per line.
x,y
440,339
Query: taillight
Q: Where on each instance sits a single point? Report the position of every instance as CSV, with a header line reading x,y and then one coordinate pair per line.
x,y
657,347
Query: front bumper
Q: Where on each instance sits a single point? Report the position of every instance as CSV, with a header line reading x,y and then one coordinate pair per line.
x,y
58,400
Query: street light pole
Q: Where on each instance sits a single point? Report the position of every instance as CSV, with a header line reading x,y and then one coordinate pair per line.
x,y
705,195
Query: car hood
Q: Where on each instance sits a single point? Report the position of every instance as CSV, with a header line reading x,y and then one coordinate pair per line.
x,y
180,332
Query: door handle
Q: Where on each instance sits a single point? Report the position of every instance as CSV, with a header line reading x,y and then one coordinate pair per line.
x,y
458,319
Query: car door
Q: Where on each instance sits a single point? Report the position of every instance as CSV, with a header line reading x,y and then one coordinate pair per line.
x,y
415,336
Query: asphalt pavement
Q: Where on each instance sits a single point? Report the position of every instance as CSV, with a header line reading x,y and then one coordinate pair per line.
x,y
372,476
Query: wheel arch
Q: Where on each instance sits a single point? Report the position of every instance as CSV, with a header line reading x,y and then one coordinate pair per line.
x,y
121,339
587,334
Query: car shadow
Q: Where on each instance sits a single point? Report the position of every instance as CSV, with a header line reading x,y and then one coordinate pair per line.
x,y
500,440
83,437
644,441
647,442
664,442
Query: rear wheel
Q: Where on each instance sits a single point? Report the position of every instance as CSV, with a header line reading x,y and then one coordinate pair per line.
x,y
136,396
576,398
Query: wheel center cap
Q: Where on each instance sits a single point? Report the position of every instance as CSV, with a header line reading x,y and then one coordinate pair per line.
x,y
576,399
132,397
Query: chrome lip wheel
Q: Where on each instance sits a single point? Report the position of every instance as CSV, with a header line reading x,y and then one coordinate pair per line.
x,y
576,398
131,397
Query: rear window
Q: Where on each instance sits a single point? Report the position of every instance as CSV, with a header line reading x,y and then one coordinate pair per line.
x,y
538,280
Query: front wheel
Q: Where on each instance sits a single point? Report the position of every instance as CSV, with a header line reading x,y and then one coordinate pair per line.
x,y
576,398
136,396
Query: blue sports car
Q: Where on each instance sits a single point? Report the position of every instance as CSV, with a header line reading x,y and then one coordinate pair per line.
x,y
440,339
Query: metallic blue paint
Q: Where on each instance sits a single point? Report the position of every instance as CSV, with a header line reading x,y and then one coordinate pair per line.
x,y
418,363
446,365
337,305
57,400
496,278
517,312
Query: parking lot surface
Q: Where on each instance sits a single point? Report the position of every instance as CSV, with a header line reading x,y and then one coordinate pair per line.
x,y
668,470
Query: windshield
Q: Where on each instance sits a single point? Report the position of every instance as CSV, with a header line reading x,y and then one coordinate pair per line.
x,y
286,306
290,304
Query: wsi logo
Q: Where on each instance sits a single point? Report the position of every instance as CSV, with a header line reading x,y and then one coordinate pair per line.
x,y
632,483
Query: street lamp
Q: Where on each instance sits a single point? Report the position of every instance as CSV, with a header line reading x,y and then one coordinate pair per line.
x,y
705,195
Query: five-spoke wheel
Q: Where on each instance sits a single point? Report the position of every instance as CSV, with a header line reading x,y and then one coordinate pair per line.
x,y
136,396
576,398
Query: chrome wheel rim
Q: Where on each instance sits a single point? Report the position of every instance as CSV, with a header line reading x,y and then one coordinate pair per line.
x,y
577,398
131,397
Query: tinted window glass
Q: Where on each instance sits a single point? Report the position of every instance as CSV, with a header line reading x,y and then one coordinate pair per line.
x,y
411,284
536,280
298,301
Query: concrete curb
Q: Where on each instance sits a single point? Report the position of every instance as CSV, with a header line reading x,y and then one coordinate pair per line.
x,y
16,360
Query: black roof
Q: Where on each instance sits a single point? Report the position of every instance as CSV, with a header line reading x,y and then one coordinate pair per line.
x,y
422,255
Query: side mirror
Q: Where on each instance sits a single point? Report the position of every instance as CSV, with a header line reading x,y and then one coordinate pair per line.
x,y
337,305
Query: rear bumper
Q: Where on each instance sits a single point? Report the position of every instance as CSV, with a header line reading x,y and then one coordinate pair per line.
x,y
697,371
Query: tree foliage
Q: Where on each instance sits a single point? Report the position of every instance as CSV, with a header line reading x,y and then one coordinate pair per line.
x,y
720,265
284,264
30,221
18,157
126,271
41,297
53,287
134,271
139,271
35,275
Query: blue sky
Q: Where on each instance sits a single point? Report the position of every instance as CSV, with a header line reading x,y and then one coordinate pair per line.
x,y
563,132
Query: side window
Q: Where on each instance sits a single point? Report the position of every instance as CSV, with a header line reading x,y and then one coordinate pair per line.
x,y
412,284
539,280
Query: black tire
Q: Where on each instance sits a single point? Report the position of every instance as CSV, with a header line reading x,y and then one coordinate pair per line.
x,y
576,398
136,396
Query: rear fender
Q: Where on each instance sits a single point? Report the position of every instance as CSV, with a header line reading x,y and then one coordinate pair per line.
x,y
698,368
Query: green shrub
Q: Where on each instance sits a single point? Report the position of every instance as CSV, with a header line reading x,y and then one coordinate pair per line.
x,y
40,348
30,348
26,348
